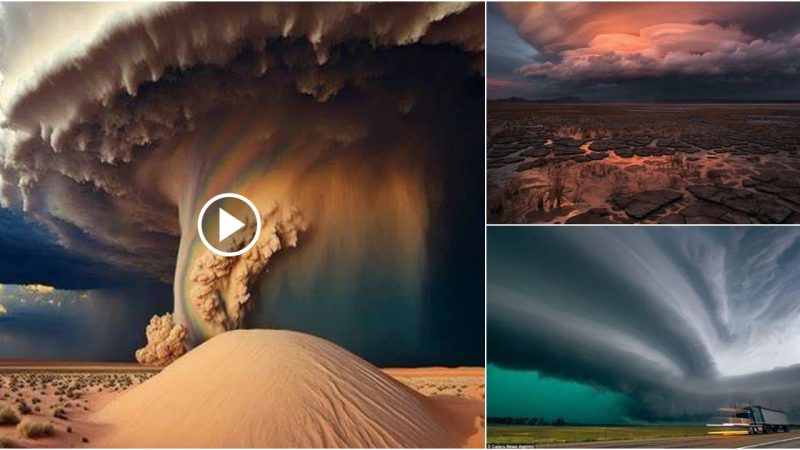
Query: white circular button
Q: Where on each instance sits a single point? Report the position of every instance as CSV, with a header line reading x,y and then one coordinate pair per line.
x,y
232,216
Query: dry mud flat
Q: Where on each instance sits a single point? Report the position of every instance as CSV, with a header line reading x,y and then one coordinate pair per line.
x,y
695,164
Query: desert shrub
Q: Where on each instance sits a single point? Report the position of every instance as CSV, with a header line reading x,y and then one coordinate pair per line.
x,y
59,413
24,408
579,181
676,161
35,430
619,183
8,417
557,183
7,443
597,170
514,205
538,199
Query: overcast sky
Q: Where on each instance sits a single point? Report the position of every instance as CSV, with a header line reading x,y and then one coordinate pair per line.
x,y
644,51
679,320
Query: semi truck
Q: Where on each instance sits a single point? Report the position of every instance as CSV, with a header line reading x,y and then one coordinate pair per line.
x,y
751,419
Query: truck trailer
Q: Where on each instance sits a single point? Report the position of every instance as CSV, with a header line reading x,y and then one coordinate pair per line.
x,y
751,419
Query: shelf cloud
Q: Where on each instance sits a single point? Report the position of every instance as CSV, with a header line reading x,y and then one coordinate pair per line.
x,y
680,320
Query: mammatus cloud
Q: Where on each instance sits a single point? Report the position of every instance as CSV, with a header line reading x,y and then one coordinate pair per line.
x,y
115,138
678,320
613,41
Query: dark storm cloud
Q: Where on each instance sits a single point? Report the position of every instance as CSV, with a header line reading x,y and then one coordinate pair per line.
x,y
81,325
506,50
107,143
91,301
680,320
29,254
83,113
657,51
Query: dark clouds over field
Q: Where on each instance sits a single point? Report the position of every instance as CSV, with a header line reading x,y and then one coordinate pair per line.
x,y
31,255
679,320
56,304
645,51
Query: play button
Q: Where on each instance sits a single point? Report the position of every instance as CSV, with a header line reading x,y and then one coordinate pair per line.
x,y
228,224
236,224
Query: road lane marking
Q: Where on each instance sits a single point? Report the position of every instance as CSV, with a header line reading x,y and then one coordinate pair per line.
x,y
771,442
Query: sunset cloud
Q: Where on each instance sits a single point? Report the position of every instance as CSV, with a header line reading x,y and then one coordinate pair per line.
x,y
40,288
623,42
496,82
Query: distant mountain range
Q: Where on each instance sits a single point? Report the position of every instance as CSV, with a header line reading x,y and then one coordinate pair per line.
x,y
678,100
719,100
525,100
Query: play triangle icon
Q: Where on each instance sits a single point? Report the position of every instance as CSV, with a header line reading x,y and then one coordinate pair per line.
x,y
228,225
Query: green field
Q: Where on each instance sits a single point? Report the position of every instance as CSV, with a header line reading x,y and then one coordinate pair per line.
x,y
527,435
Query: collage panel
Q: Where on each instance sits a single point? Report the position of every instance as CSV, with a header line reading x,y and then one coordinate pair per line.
x,y
400,224
643,337
643,112
242,225
643,159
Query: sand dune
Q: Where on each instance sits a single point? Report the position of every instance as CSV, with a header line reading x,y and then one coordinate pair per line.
x,y
268,388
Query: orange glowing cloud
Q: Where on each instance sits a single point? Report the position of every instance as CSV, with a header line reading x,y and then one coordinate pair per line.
x,y
613,40
499,83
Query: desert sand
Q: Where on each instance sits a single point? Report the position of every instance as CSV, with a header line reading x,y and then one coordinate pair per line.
x,y
460,391
258,388
267,388
61,395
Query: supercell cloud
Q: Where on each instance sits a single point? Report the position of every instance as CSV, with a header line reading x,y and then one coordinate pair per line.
x,y
680,320
338,120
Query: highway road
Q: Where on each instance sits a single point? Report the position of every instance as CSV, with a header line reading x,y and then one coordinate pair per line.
x,y
778,440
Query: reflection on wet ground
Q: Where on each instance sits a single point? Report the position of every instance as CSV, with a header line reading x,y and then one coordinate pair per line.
x,y
643,163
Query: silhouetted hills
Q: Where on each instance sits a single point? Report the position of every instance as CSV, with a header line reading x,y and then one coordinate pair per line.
x,y
552,100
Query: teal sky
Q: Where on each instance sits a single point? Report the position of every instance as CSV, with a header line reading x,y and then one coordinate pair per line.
x,y
515,393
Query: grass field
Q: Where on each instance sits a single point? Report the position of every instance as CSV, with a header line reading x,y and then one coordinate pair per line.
x,y
528,435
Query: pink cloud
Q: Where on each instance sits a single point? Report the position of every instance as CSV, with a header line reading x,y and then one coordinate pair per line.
x,y
614,41
499,83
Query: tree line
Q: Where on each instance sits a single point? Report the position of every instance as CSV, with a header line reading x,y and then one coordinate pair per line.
x,y
530,421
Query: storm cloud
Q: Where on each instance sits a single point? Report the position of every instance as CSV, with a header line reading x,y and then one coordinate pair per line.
x,y
585,47
120,121
680,320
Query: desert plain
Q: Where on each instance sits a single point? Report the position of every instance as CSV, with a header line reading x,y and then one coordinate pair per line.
x,y
643,163
241,389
